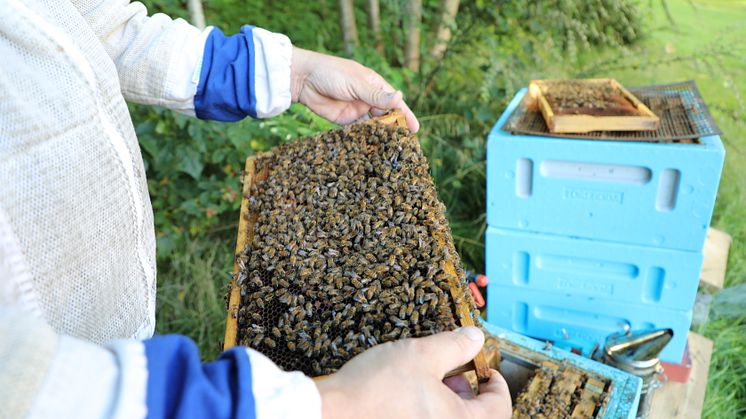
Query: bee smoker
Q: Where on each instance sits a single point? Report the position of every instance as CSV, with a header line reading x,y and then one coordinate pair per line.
x,y
637,353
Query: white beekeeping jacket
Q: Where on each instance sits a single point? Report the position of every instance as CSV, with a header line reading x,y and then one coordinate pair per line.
x,y
77,246
76,223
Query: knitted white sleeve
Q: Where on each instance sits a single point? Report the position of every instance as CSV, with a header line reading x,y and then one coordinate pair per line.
x,y
159,59
45,375
155,55
16,284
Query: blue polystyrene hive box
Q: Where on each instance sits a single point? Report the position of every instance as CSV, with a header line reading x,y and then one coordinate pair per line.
x,y
581,322
606,270
649,194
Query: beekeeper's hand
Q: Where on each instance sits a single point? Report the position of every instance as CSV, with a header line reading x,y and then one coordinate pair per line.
x,y
404,379
342,90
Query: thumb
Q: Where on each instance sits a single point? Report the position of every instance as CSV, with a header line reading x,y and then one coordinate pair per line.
x,y
378,98
448,350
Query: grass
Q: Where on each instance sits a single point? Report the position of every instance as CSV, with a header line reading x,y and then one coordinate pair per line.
x,y
191,291
705,44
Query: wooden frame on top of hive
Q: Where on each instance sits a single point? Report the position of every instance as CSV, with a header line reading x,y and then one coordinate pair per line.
x,y
246,223
646,120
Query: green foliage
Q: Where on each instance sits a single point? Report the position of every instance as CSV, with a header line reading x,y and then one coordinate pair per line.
x,y
194,167
190,301
309,24
302,21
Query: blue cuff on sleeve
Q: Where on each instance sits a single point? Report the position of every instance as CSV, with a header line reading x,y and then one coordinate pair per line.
x,y
180,386
226,82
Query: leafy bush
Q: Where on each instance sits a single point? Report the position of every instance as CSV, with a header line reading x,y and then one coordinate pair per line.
x,y
193,166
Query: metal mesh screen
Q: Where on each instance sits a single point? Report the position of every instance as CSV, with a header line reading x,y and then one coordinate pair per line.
x,y
682,111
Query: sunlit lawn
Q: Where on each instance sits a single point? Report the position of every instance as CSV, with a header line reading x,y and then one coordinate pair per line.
x,y
707,43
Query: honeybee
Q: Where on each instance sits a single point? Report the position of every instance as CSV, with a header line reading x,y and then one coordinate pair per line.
x,y
397,322
257,340
420,296
360,297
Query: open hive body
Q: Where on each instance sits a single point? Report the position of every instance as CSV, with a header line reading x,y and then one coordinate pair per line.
x,y
559,391
342,245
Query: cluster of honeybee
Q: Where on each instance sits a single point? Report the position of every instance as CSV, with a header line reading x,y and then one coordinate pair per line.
x,y
572,94
345,252
559,393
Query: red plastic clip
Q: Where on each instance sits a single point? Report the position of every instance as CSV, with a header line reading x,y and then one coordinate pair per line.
x,y
478,299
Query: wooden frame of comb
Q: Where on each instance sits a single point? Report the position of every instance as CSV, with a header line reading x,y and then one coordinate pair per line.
x,y
246,235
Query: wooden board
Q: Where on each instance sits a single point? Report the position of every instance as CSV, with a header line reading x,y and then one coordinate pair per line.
x,y
245,235
715,260
463,312
685,400
643,118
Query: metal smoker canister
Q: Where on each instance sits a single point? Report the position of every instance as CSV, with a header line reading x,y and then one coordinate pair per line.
x,y
637,353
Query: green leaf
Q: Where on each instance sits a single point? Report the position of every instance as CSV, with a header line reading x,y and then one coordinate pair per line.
x,y
191,163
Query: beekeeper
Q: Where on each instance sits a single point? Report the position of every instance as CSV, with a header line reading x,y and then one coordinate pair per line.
x,y
77,246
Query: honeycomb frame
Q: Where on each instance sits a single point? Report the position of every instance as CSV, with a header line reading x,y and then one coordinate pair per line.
x,y
246,234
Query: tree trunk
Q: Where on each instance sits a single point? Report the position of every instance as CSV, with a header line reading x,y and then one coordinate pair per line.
x,y
412,46
374,23
449,9
196,14
349,29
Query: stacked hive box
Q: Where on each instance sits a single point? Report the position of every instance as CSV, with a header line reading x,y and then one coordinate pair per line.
x,y
586,238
